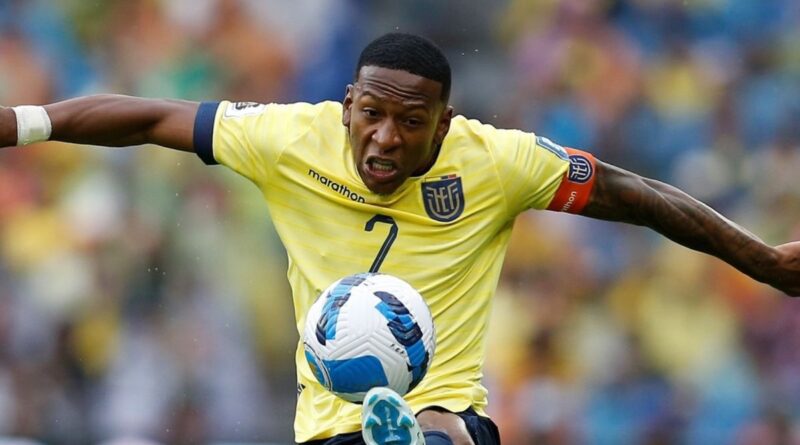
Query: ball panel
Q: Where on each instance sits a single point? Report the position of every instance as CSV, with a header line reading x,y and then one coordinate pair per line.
x,y
405,329
337,296
320,372
355,375
369,330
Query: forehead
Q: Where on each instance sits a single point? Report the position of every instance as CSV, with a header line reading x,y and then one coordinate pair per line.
x,y
397,85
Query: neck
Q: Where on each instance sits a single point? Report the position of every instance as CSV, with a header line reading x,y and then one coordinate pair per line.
x,y
429,164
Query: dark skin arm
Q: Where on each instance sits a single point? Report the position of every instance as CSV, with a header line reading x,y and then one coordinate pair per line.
x,y
620,195
115,121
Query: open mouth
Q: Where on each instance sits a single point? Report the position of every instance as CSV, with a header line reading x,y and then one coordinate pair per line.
x,y
381,169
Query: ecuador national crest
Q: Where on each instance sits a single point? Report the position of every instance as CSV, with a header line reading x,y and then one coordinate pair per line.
x,y
443,197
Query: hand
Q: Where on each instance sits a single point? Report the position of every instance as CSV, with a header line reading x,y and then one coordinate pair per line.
x,y
8,127
786,277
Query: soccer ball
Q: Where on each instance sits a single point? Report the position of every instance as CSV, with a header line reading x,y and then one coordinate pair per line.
x,y
367,330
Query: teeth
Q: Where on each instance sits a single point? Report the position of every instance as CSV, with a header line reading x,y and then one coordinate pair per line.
x,y
382,165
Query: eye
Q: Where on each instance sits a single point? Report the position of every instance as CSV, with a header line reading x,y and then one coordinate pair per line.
x,y
370,112
414,122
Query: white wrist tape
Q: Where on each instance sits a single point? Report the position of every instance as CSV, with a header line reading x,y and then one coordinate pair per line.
x,y
33,124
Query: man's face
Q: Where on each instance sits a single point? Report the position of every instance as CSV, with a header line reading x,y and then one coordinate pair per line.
x,y
396,121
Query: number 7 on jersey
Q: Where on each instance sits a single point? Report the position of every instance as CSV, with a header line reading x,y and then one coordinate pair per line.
x,y
387,243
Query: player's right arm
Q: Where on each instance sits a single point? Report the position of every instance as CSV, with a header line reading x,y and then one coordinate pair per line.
x,y
115,121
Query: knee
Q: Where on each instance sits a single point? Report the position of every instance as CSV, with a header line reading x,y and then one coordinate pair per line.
x,y
449,423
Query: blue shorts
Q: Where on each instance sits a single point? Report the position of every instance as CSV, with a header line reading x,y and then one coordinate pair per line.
x,y
482,430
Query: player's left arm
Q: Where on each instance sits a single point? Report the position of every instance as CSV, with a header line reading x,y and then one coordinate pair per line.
x,y
619,195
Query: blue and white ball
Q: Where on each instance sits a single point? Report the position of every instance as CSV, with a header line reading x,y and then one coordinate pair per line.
x,y
368,330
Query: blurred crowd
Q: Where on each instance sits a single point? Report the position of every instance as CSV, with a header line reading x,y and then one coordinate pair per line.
x,y
143,296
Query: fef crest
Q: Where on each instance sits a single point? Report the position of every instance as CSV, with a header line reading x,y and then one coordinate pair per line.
x,y
443,198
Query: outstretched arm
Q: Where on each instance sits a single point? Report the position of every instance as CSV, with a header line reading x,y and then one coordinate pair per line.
x,y
114,120
619,195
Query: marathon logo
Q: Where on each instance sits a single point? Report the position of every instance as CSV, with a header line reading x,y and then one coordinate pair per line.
x,y
573,195
336,187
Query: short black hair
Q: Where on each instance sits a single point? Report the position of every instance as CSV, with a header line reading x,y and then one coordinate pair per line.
x,y
408,52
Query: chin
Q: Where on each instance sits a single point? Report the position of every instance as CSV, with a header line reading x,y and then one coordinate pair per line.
x,y
383,191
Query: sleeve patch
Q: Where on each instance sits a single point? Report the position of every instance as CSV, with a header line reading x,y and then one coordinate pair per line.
x,y
241,109
576,186
551,146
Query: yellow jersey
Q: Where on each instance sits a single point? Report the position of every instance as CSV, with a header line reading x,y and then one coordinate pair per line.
x,y
452,227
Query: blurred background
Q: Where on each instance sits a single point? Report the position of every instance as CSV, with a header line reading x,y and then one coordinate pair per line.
x,y
143,296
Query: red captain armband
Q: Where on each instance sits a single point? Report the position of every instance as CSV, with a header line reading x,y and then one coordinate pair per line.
x,y
576,186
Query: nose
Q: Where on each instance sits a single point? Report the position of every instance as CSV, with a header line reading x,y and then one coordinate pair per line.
x,y
386,135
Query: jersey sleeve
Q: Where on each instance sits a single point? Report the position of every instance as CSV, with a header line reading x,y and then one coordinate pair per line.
x,y
249,137
530,168
537,173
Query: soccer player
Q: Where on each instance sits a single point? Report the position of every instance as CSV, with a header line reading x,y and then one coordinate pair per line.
x,y
392,180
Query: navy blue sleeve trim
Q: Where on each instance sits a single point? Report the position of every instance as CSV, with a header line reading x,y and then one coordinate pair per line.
x,y
204,132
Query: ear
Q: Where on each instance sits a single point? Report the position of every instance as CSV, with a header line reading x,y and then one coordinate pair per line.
x,y
347,104
443,126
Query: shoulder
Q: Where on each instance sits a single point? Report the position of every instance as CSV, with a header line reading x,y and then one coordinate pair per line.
x,y
472,132
282,121
464,126
302,110
469,133
326,109
296,110
322,113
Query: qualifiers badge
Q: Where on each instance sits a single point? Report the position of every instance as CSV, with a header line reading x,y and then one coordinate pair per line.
x,y
443,198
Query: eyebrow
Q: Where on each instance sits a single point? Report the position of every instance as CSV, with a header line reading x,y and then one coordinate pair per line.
x,y
410,103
